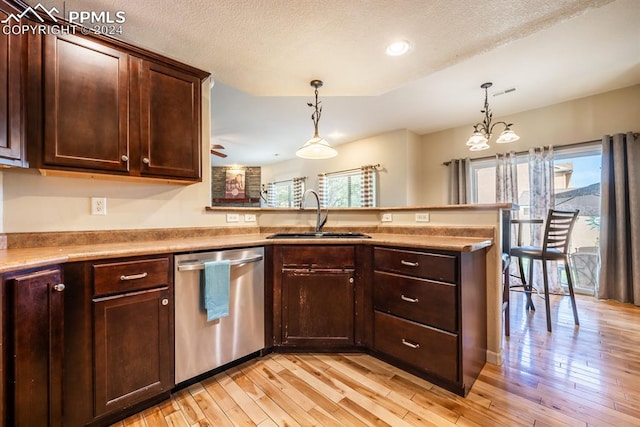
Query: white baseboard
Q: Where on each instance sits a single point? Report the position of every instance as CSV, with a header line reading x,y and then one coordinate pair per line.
x,y
494,358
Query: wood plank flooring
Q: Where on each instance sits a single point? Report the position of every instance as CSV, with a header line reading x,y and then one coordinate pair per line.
x,y
575,376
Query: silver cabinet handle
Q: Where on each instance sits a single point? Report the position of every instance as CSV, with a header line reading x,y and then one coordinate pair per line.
x,y
407,299
350,279
409,263
133,276
410,344
145,160
165,301
59,287
125,158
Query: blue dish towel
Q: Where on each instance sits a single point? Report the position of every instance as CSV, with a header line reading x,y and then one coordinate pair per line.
x,y
216,276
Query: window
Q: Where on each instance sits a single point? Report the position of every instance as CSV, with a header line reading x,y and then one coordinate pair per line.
x,y
284,194
344,190
576,186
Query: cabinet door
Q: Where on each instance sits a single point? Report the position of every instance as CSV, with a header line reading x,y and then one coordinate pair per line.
x,y
37,348
12,62
318,308
133,353
169,122
86,104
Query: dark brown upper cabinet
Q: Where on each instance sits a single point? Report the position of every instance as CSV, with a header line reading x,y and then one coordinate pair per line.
x,y
169,121
86,105
12,99
111,108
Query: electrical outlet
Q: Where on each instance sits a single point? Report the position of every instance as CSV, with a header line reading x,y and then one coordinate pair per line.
x,y
233,217
422,217
98,206
249,217
387,217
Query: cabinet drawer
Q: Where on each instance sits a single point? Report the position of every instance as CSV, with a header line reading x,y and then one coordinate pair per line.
x,y
317,256
419,300
419,264
428,349
120,277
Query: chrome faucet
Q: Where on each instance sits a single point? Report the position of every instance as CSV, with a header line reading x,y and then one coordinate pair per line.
x,y
320,221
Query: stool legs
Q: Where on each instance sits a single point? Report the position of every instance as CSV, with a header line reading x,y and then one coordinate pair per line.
x,y
546,294
571,294
529,287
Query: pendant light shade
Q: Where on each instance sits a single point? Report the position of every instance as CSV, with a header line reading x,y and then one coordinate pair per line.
x,y
316,148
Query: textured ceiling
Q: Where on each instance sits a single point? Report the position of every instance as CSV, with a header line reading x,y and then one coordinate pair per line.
x,y
262,55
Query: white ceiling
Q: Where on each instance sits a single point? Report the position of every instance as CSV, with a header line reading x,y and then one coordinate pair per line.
x,y
262,55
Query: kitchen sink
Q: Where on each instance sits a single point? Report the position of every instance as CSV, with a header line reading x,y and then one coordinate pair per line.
x,y
319,235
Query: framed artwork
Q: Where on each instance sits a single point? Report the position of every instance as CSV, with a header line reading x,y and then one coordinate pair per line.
x,y
234,184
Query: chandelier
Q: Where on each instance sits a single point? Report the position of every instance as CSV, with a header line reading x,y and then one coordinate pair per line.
x,y
482,131
316,147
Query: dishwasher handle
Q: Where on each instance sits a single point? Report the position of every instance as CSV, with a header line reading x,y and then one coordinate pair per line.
x,y
199,265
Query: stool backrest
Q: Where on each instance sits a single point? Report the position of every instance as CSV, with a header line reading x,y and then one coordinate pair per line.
x,y
557,232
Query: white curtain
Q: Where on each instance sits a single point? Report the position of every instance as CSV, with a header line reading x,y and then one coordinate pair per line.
x,y
506,178
367,185
298,189
271,194
459,181
322,189
507,192
541,199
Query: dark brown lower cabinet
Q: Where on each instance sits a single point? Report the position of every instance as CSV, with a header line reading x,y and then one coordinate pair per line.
x,y
430,313
119,329
318,307
317,298
34,337
131,345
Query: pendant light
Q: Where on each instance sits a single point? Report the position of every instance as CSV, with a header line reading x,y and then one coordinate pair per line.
x,y
482,131
316,147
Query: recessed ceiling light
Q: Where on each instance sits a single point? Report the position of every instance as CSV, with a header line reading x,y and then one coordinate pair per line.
x,y
398,48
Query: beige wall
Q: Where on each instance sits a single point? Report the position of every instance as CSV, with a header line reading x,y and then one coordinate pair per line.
x,y
583,119
396,152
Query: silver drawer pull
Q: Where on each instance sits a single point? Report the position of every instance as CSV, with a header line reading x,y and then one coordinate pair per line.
x,y
407,299
409,263
410,344
133,276
59,287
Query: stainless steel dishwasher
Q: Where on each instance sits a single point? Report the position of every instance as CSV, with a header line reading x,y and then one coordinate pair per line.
x,y
201,346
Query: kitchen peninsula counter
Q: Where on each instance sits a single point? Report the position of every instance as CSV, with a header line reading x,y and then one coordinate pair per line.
x,y
29,257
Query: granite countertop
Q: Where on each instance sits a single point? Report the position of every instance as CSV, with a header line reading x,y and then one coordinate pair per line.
x,y
22,258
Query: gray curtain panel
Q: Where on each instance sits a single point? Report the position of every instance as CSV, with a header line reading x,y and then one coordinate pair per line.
x,y
620,219
459,181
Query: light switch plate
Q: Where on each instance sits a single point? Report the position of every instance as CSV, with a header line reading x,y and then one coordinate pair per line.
x,y
233,217
422,216
249,217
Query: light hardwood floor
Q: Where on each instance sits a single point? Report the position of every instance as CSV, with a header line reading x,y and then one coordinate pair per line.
x,y
586,375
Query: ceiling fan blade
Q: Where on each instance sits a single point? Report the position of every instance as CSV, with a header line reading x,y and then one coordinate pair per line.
x,y
217,147
219,154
